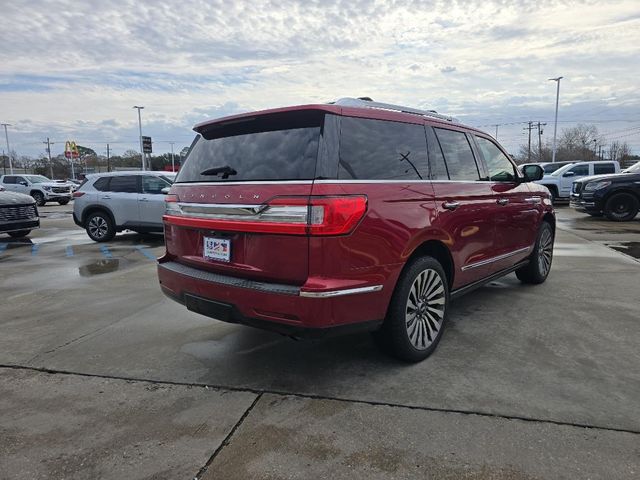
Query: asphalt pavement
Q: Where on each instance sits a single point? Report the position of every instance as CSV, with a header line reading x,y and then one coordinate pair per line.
x,y
103,377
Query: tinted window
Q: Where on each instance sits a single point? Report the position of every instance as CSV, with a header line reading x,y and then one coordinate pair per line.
x,y
437,167
458,155
9,180
153,184
272,147
124,184
102,184
579,170
381,150
602,168
500,168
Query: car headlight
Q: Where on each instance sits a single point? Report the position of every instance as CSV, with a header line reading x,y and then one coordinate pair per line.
x,y
590,187
46,188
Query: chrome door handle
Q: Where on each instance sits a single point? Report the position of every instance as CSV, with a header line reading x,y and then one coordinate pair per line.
x,y
502,201
450,205
144,199
106,197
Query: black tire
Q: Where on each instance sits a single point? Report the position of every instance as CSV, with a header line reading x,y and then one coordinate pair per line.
x,y
39,198
539,266
622,207
100,227
63,202
415,323
20,233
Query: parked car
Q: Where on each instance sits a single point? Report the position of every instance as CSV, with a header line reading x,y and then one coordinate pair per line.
x,y
355,215
39,187
559,182
107,203
615,196
548,167
18,213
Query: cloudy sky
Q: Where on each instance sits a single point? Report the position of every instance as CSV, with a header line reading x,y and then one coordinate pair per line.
x,y
73,70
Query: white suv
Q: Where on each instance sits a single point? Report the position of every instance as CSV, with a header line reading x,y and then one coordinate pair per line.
x,y
559,182
107,203
39,187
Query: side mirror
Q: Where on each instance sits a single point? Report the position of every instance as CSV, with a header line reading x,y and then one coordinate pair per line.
x,y
532,173
23,183
568,174
165,190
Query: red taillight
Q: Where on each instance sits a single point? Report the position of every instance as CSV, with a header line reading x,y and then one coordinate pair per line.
x,y
171,198
77,194
285,216
336,215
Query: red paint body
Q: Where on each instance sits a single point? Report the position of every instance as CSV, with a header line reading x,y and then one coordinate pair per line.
x,y
400,218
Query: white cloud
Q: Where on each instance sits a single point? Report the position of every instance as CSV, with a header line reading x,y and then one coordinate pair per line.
x,y
69,67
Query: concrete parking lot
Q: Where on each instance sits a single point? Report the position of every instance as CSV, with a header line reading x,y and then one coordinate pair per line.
x,y
103,377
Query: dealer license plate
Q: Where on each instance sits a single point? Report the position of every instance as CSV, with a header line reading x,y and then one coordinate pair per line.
x,y
217,249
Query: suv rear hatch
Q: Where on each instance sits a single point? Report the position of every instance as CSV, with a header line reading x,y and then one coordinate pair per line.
x,y
240,204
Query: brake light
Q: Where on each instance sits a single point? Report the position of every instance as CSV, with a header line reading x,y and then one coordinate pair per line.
x,y
77,194
282,215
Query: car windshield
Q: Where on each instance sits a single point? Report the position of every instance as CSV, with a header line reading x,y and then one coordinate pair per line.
x,y
37,179
634,168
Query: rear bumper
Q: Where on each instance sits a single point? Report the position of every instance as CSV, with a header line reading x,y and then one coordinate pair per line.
x,y
286,309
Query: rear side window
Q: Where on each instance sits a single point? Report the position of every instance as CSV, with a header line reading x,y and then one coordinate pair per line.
x,y
269,147
500,168
101,184
382,150
457,154
603,168
437,167
124,184
9,180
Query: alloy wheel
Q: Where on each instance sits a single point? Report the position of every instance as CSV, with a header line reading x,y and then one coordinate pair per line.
x,y
545,251
98,227
424,313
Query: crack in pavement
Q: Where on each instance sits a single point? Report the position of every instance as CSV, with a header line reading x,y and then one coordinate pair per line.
x,y
227,439
281,393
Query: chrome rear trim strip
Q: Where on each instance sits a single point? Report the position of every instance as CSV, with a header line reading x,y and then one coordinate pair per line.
x,y
339,293
495,259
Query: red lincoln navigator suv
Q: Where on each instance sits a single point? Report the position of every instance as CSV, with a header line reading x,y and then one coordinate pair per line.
x,y
351,215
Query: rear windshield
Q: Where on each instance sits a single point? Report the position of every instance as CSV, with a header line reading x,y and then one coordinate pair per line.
x,y
268,147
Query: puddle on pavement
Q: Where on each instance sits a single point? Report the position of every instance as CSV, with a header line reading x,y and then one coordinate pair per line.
x,y
99,267
629,248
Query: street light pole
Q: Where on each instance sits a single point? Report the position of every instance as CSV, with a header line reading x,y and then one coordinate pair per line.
x,y
140,130
6,136
173,163
555,123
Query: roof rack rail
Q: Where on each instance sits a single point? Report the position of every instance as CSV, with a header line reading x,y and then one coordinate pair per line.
x,y
366,102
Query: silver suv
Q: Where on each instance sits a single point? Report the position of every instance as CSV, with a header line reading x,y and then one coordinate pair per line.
x,y
39,187
107,203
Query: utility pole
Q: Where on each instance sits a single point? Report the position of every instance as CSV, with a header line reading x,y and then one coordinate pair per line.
x,y
6,136
108,164
48,144
540,125
530,127
4,163
173,162
140,130
555,123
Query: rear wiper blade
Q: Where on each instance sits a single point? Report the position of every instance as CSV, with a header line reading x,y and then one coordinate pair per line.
x,y
225,170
